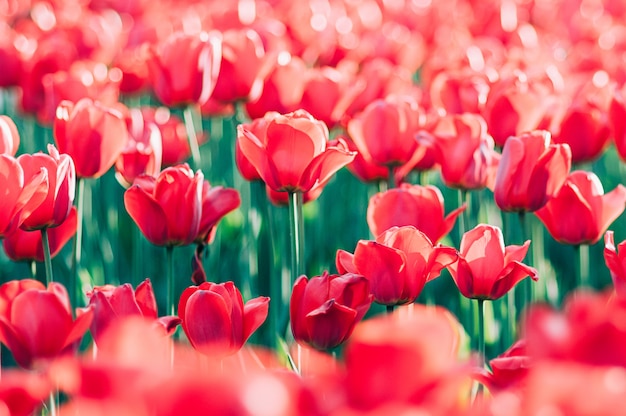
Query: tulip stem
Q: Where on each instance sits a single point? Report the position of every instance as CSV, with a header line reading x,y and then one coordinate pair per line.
x,y
464,198
583,265
191,136
390,309
46,255
297,235
527,286
391,179
53,403
169,277
481,336
74,290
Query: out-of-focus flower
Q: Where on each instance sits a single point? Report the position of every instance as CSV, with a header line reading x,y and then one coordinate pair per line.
x,y
215,319
61,188
459,91
509,369
9,136
23,393
581,212
464,151
323,88
486,269
21,195
615,260
112,303
365,170
143,152
531,171
93,134
294,154
398,263
184,68
243,68
23,245
39,326
167,209
416,205
325,309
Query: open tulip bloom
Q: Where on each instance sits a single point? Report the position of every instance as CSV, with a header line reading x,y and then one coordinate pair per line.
x,y
486,269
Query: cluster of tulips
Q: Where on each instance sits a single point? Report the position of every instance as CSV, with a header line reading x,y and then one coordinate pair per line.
x,y
204,111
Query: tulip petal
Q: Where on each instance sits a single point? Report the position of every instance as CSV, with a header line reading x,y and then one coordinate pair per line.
x,y
385,268
144,296
254,314
324,165
147,214
333,324
207,321
296,309
512,274
613,205
21,353
79,328
344,261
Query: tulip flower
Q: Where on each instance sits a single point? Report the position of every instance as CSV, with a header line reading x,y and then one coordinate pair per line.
x,y
325,309
617,118
384,133
615,260
215,318
184,68
92,134
167,209
23,393
258,127
459,91
112,303
294,154
62,184
509,369
581,212
39,326
531,171
398,264
10,290
416,205
21,195
464,151
23,245
9,136
486,269
217,201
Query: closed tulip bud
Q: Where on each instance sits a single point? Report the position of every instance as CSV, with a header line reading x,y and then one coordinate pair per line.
x,y
325,309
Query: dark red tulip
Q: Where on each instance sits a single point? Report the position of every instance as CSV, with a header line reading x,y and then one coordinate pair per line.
x,y
294,154
22,195
9,136
215,319
184,68
416,205
93,134
61,188
167,209
531,171
486,269
40,326
111,304
325,309
615,260
397,264
581,212
23,245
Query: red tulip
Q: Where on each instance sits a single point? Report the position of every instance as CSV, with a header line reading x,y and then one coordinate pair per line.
x,y
9,136
39,326
258,127
21,194
384,133
464,150
23,245
323,88
416,205
143,152
184,68
243,68
167,209
10,290
92,134
615,260
215,318
325,309
365,170
459,91
581,212
22,393
62,183
509,369
486,269
217,201
531,171
110,304
617,117
294,154
398,264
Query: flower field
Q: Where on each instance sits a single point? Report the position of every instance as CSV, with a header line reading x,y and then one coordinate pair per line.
x,y
325,207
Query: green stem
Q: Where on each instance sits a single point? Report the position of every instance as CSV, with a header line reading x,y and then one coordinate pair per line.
x,y
481,337
527,287
390,309
74,290
191,136
46,255
53,403
391,179
464,219
169,279
33,269
296,226
583,266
